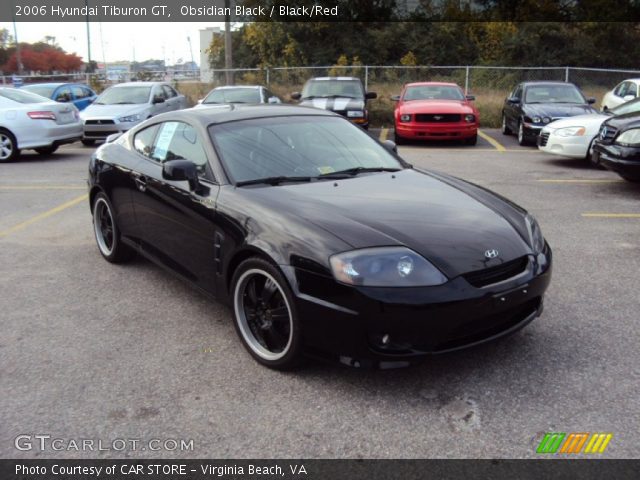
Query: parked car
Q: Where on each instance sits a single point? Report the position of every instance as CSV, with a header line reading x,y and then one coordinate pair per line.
x,y
617,146
80,95
343,95
435,111
125,105
573,137
320,238
532,105
29,121
623,92
239,94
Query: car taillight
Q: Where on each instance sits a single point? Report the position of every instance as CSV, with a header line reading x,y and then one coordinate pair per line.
x,y
42,115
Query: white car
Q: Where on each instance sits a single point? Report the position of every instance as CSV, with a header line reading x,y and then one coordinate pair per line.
x,y
29,121
573,137
238,94
622,93
125,105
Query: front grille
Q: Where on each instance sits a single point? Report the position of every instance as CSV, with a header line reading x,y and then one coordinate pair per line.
x,y
606,134
491,275
104,134
544,138
438,117
99,122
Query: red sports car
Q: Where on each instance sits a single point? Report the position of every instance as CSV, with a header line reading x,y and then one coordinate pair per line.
x,y
435,111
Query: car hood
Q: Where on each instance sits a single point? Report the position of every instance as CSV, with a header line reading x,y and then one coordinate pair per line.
x,y
590,122
113,111
335,104
626,121
557,110
435,106
452,227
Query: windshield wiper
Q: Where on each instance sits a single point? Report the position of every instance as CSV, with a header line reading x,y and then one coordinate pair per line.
x,y
357,170
273,180
98,103
123,103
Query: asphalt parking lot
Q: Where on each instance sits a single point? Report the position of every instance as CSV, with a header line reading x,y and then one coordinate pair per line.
x,y
90,350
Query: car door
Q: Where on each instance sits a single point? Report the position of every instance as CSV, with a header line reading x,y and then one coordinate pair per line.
x,y
176,225
513,109
81,96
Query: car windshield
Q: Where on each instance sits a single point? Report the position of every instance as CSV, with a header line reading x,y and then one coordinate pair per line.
x,y
124,95
297,146
21,96
333,88
233,95
44,90
553,94
630,107
433,92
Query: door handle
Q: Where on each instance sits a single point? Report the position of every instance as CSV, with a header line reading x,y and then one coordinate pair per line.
x,y
141,183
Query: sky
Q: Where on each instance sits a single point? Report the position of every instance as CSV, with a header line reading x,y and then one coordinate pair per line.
x,y
121,40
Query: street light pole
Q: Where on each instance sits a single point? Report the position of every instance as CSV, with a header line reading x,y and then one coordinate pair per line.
x,y
18,52
228,46
90,65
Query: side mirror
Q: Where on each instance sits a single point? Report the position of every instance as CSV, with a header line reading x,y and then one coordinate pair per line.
x,y
296,96
513,100
370,95
626,98
471,98
395,98
158,99
199,102
391,146
273,100
182,170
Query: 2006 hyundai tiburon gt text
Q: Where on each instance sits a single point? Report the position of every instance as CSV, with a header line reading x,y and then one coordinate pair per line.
x,y
321,239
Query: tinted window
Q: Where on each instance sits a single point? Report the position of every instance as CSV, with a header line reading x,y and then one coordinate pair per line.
x,y
179,141
124,95
553,94
169,92
21,96
518,92
334,87
44,90
143,140
619,88
296,146
80,92
233,95
63,94
433,92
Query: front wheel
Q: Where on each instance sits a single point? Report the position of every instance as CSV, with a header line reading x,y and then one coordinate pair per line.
x,y
265,315
505,128
8,146
47,150
471,140
630,178
87,142
522,140
107,233
398,139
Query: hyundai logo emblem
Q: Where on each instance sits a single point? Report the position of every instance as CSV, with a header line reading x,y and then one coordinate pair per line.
x,y
493,253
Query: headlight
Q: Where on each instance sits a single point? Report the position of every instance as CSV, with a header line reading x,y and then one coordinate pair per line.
x,y
535,234
355,113
469,118
570,132
405,117
630,138
536,120
385,267
130,118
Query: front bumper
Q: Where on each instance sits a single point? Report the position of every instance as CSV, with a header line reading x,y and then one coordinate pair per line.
x,y
622,160
531,131
392,327
448,131
574,147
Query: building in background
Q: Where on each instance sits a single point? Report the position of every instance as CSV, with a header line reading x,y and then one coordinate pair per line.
x,y
206,36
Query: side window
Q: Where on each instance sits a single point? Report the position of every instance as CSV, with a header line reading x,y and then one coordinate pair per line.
x,y
143,141
159,92
620,88
179,141
63,95
169,92
517,93
79,92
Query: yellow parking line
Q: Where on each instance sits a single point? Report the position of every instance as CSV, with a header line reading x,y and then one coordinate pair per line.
x,y
42,187
497,145
44,215
611,215
579,180
383,134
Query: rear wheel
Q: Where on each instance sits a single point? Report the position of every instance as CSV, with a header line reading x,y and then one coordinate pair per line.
x,y
107,233
87,142
265,314
8,146
505,128
47,150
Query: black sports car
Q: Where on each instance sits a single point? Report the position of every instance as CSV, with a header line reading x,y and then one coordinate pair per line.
x,y
617,146
320,238
532,105
343,95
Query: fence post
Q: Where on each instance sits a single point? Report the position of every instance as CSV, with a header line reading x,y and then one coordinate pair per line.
x,y
566,74
268,78
466,80
366,78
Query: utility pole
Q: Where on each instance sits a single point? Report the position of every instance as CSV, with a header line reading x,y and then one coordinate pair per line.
x,y
90,65
18,52
228,47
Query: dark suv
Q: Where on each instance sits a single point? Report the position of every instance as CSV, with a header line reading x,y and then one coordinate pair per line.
x,y
343,95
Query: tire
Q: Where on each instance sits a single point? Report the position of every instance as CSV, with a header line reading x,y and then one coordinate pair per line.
x,y
8,146
398,139
106,232
88,142
471,140
505,128
631,179
258,290
522,139
47,150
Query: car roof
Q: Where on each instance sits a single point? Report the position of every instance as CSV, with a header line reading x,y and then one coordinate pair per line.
x,y
233,112
545,82
138,84
227,87
422,84
48,84
333,78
